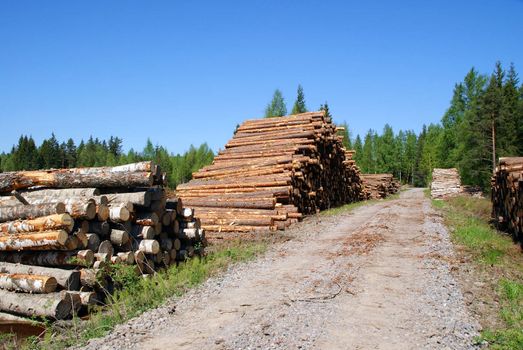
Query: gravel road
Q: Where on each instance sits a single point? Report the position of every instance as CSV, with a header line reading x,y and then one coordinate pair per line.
x,y
375,278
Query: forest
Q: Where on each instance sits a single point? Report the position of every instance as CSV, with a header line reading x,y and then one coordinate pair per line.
x,y
95,152
483,122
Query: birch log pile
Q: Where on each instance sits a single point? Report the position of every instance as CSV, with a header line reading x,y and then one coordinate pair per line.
x,y
379,186
445,183
61,231
270,173
507,196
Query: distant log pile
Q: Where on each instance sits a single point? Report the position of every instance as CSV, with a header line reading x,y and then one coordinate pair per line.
x,y
271,173
507,196
378,186
445,183
62,230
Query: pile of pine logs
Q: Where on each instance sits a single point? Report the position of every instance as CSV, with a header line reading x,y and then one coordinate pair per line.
x,y
271,173
355,184
507,196
62,231
445,183
378,186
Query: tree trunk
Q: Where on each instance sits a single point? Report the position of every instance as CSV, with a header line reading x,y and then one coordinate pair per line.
x,y
27,283
46,223
62,179
52,258
43,305
66,279
48,240
21,212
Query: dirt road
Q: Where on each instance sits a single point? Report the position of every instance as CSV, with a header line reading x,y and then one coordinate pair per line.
x,y
375,278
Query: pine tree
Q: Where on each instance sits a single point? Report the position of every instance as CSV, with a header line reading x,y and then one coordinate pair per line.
x,y
276,108
358,148
325,108
299,104
508,123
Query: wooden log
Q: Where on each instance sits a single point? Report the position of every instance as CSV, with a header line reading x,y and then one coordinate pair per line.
x,y
66,279
102,212
22,212
46,223
49,258
119,213
64,193
86,298
261,203
25,179
143,232
47,240
27,283
127,257
119,237
147,219
102,229
106,247
142,198
40,305
93,241
149,246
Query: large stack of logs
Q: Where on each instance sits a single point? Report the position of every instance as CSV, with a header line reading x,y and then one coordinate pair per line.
x,y
507,196
61,231
271,173
379,186
354,180
445,183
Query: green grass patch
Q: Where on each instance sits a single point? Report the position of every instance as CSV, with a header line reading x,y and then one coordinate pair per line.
x,y
495,252
351,206
138,294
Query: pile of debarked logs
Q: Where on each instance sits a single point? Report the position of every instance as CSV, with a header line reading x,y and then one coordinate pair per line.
x,y
62,231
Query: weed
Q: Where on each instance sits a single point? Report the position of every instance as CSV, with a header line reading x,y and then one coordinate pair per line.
x,y
469,221
138,294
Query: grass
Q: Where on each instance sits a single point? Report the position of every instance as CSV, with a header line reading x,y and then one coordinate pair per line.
x,y
138,294
496,253
351,206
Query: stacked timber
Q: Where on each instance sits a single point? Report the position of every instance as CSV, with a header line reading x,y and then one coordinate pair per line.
x,y
355,184
507,196
63,230
271,173
445,183
379,186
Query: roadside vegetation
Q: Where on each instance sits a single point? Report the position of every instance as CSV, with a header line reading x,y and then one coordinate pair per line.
x,y
498,258
138,295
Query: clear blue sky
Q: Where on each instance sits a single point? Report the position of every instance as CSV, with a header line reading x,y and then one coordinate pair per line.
x,y
188,72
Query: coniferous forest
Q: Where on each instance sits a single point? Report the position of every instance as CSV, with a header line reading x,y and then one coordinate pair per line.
x,y
483,122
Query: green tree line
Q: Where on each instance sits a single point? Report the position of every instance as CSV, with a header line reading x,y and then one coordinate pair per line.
x,y
26,155
483,123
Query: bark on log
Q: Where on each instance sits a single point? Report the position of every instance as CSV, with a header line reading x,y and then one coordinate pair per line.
x,y
42,305
47,240
25,179
46,223
22,212
93,241
100,228
27,283
66,279
52,258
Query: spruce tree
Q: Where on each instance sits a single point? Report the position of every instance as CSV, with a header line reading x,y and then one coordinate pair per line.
x,y
299,104
277,107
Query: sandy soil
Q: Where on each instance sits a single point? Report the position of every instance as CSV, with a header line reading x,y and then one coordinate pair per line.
x,y
375,278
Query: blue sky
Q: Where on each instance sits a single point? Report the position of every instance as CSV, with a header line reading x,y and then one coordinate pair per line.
x,y
188,72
